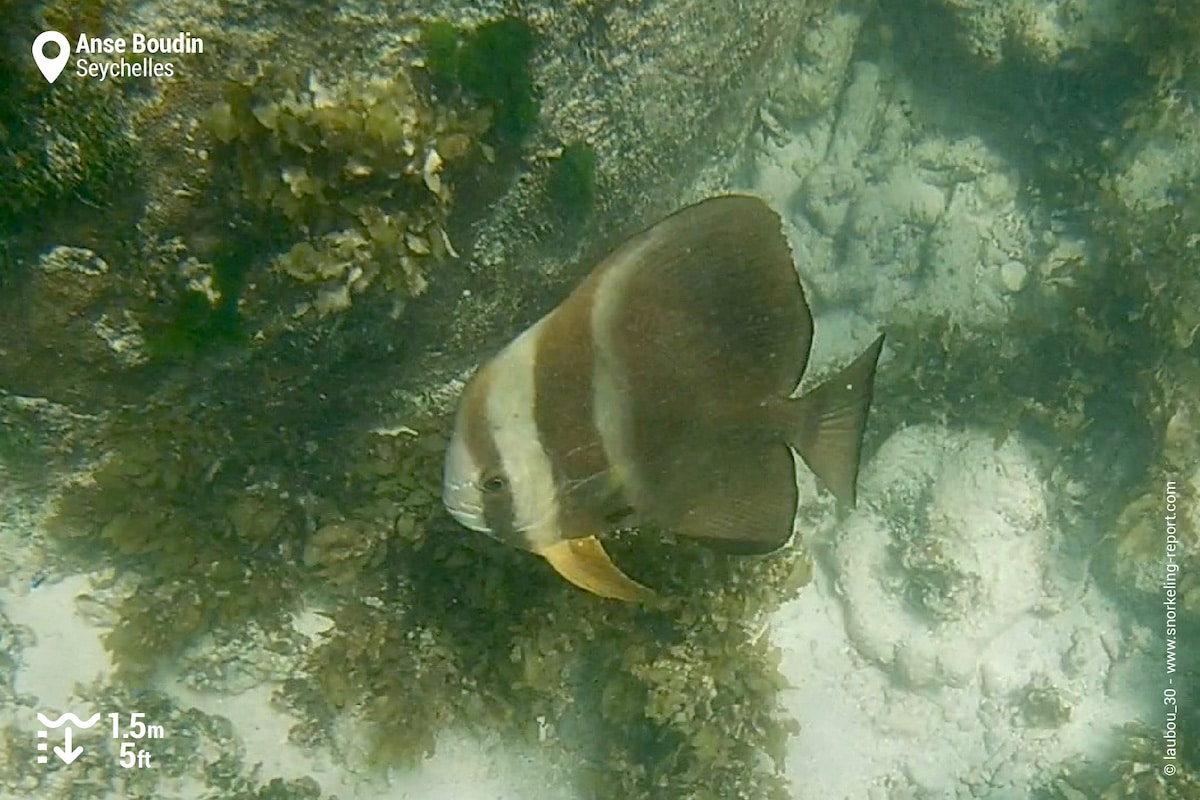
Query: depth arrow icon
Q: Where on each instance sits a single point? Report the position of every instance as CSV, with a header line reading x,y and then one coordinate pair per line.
x,y
65,752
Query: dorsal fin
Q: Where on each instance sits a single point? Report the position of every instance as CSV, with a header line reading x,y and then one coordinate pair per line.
x,y
704,310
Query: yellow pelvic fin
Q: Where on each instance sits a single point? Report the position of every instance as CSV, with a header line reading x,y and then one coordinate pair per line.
x,y
584,563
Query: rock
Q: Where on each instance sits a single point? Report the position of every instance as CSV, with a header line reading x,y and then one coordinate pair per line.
x,y
893,218
1046,30
62,333
945,551
1013,275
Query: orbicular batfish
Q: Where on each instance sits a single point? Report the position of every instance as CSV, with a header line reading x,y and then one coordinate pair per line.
x,y
659,391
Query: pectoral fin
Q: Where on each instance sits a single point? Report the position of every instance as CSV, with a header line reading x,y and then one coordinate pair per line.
x,y
584,563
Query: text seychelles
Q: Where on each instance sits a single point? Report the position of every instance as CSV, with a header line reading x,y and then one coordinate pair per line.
x,y
137,44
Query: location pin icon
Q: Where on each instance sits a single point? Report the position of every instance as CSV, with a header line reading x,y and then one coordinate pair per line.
x,y
51,67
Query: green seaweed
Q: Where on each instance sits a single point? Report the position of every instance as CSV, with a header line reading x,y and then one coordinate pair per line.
x,y
1136,771
492,64
441,41
195,325
172,507
571,184
473,634
349,185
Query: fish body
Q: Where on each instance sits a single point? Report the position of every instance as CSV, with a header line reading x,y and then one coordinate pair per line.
x,y
659,391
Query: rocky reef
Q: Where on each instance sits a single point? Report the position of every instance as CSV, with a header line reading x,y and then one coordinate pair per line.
x,y
230,340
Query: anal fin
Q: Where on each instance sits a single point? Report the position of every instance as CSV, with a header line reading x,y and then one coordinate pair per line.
x,y
735,496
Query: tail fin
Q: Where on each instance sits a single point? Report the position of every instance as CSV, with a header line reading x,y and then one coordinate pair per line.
x,y
829,424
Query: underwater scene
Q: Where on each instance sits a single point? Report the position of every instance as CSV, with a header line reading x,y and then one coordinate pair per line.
x,y
600,400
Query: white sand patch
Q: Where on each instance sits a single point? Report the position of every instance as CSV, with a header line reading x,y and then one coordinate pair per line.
x,y
463,767
939,652
67,649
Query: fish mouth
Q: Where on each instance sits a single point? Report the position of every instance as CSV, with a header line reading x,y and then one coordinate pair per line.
x,y
470,518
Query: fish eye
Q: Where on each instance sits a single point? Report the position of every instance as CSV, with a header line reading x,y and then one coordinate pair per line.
x,y
493,483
